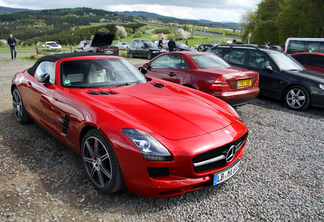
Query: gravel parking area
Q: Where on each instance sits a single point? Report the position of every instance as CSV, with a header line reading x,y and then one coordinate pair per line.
x,y
280,179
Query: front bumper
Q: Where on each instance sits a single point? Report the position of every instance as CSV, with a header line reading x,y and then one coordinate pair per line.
x,y
162,179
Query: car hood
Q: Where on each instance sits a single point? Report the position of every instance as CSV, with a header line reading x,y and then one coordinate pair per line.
x,y
102,39
170,111
309,74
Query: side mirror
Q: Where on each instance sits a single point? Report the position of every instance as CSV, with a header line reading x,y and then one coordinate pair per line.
x,y
44,78
143,70
268,68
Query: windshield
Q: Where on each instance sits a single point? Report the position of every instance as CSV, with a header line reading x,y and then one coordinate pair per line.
x,y
181,45
204,61
99,73
285,62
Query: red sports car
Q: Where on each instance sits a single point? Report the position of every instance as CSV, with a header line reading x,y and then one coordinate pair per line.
x,y
157,138
208,73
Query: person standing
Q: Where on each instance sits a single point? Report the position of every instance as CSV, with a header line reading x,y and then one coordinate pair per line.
x,y
12,43
161,43
171,45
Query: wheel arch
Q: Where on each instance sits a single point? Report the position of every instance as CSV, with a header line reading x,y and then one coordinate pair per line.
x,y
296,84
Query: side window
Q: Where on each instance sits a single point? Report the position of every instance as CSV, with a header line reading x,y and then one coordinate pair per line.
x,y
170,61
140,45
46,67
258,60
300,58
296,46
315,60
237,56
313,46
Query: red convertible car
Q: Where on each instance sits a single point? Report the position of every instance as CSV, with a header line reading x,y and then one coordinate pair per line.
x,y
208,73
157,138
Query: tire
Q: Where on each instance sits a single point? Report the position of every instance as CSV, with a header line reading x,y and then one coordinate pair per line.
x,y
297,98
131,54
149,55
19,108
100,162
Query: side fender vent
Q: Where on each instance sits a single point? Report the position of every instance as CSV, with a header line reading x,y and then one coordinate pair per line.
x,y
156,84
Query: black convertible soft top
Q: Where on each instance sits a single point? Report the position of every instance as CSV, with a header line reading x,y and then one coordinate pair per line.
x,y
56,57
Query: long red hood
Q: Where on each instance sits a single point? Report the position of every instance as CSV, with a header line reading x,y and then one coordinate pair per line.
x,y
170,111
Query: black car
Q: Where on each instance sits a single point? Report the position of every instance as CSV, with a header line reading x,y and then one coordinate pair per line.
x,y
102,42
144,48
179,46
281,76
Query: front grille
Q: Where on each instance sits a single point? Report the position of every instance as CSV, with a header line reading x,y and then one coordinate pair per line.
x,y
215,158
158,172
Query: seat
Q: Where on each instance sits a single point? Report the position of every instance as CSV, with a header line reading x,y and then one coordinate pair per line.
x,y
96,75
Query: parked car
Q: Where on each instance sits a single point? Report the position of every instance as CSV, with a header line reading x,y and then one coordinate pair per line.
x,y
85,48
83,43
102,42
281,76
144,48
157,138
51,45
136,41
179,46
208,73
311,60
122,45
205,47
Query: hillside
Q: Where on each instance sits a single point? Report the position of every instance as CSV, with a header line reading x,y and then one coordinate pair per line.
x,y
7,10
30,24
150,15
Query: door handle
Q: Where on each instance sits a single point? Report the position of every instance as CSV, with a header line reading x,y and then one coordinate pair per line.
x,y
172,74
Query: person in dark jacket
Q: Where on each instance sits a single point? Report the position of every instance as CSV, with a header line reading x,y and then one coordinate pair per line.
x,y
171,45
161,43
12,43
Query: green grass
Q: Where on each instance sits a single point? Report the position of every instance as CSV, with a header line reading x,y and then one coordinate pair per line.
x,y
196,40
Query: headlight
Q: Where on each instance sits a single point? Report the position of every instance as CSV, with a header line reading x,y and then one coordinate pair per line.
x,y
150,148
155,51
321,86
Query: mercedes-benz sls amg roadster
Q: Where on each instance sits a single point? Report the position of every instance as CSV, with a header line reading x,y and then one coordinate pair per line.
x,y
154,137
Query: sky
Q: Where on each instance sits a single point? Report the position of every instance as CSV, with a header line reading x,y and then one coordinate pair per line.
x,y
213,10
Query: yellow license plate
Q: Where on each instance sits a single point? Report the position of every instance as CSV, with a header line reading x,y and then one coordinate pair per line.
x,y
245,82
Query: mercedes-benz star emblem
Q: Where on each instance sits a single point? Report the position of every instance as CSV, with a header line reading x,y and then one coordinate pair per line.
x,y
230,153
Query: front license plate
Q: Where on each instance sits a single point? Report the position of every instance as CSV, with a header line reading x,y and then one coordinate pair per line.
x,y
245,82
225,175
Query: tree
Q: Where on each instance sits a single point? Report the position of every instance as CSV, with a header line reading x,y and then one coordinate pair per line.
x,y
248,22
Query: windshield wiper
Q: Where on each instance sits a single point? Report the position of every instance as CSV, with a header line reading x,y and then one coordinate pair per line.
x,y
126,84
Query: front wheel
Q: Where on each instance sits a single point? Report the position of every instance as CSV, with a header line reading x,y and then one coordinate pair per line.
x,y
100,162
149,55
297,98
131,54
19,108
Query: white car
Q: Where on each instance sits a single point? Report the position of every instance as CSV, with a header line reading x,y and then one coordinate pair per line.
x,y
51,45
122,45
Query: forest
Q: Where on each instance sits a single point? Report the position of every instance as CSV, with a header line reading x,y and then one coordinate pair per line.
x,y
276,20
